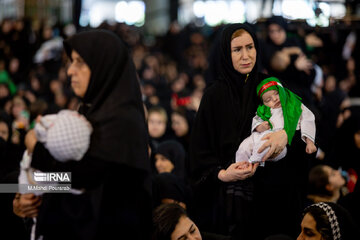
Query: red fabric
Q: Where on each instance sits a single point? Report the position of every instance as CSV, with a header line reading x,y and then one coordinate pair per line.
x,y
353,177
181,101
265,86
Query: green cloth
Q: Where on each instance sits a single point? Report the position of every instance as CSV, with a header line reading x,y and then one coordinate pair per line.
x,y
290,104
5,79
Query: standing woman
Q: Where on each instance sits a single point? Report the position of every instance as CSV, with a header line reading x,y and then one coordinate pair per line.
x,y
227,197
114,173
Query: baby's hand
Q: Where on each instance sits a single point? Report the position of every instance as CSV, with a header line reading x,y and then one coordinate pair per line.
x,y
263,127
310,147
242,165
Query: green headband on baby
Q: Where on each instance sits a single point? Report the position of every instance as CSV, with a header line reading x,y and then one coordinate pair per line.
x,y
290,104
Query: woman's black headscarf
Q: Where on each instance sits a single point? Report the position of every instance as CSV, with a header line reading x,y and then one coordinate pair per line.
x,y
175,152
168,185
112,102
243,94
227,71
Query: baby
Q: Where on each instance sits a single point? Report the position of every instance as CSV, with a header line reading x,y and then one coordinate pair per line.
x,y
281,109
65,135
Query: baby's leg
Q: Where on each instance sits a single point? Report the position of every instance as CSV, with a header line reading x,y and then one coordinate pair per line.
x,y
244,151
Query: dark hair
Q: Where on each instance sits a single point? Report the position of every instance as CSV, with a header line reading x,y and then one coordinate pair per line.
x,y
165,219
318,179
279,20
322,222
333,221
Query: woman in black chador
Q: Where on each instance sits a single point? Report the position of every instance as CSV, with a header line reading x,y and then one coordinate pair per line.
x,y
115,172
229,199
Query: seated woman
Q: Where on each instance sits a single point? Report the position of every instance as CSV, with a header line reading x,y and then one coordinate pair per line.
x,y
327,220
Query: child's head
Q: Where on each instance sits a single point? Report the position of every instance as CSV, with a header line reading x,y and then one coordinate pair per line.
x,y
170,157
157,120
66,135
268,91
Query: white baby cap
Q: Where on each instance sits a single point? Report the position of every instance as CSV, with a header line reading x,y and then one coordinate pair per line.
x,y
66,135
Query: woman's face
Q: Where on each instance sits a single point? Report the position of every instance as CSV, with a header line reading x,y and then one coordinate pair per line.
x,y
243,53
186,229
357,139
80,74
179,125
336,181
162,164
277,34
308,229
156,125
19,105
4,131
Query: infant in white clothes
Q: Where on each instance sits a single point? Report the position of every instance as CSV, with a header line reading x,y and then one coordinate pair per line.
x,y
66,135
281,109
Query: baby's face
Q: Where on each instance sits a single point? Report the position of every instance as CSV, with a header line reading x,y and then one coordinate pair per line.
x,y
271,99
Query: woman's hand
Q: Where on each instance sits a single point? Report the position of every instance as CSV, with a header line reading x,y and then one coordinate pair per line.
x,y
303,64
276,141
26,205
30,141
237,171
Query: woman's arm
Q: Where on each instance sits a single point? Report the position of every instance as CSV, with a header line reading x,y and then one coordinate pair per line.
x,y
207,163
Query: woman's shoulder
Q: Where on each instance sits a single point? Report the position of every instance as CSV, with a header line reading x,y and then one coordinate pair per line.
x,y
216,87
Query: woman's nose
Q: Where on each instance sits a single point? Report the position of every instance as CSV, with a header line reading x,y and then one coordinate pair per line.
x,y
300,237
244,54
70,70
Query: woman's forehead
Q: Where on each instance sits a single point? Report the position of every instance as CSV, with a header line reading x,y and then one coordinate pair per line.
x,y
242,40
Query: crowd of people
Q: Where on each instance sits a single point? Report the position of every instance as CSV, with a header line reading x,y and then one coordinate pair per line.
x,y
167,119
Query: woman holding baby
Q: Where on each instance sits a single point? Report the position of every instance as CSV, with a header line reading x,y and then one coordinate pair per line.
x,y
113,175
238,198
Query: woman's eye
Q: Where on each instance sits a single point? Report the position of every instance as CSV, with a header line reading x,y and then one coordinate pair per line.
x,y
309,234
